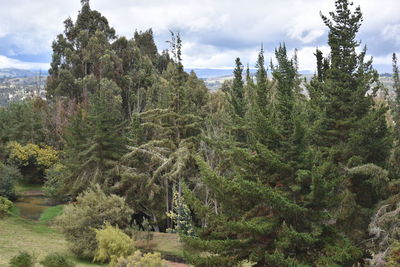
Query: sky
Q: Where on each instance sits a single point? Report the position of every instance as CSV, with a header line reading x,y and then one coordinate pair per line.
x,y
214,32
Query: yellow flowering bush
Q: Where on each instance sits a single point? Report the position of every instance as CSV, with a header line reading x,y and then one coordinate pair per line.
x,y
40,156
112,244
140,260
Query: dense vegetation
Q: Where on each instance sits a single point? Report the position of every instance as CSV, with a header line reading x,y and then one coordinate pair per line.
x,y
272,170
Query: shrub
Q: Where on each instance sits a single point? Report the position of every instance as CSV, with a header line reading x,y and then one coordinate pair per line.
x,y
42,157
56,260
8,176
180,215
23,259
5,206
55,182
112,244
92,209
139,260
394,255
32,159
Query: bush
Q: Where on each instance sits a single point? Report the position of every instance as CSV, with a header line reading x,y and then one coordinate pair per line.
x,y
23,259
112,244
394,255
5,206
56,260
32,159
92,209
8,176
139,260
55,182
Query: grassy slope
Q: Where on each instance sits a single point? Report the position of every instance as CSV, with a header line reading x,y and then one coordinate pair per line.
x,y
17,233
21,234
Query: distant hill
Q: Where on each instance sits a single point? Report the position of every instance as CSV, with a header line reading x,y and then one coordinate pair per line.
x,y
214,83
17,84
218,73
211,73
19,73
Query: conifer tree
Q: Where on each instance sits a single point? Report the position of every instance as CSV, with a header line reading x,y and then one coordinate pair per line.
x,y
95,141
349,127
395,112
346,86
236,93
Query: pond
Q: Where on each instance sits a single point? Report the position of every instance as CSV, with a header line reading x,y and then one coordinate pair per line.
x,y
31,207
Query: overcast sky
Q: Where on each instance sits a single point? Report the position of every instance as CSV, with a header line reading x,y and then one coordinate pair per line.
x,y
214,32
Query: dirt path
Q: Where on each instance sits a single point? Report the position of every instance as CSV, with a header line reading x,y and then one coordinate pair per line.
x,y
32,193
177,264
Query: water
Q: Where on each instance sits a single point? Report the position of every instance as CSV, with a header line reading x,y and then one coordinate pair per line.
x,y
32,207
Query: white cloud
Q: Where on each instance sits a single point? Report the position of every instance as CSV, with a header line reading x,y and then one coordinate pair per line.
x,y
214,32
6,62
392,32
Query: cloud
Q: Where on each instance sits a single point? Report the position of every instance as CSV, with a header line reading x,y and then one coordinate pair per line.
x,y
392,32
6,62
214,32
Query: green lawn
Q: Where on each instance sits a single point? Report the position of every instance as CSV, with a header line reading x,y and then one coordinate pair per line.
x,y
18,234
40,238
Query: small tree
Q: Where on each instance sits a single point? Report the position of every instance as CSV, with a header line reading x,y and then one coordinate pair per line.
x,y
112,244
90,211
8,176
5,206
180,215
57,260
23,259
138,260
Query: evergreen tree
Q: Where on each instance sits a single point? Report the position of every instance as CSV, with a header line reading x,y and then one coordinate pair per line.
x,y
78,52
346,86
95,141
349,128
236,93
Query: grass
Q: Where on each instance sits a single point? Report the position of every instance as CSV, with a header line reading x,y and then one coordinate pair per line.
x,y
17,234
50,213
39,237
168,244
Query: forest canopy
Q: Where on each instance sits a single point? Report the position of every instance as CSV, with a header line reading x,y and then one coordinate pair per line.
x,y
271,169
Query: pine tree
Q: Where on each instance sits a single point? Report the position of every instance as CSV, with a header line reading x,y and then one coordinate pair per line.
x,y
236,93
346,85
395,112
95,141
349,128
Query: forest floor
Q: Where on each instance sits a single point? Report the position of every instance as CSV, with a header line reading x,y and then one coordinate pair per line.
x,y
41,238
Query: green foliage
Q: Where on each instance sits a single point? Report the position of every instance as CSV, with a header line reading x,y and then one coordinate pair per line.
x,y
394,255
180,215
41,157
138,260
236,93
32,159
112,244
8,177
384,233
91,210
5,206
255,172
23,259
95,141
56,260
23,122
54,183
